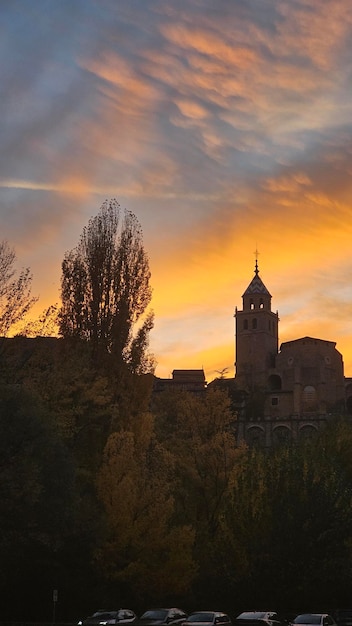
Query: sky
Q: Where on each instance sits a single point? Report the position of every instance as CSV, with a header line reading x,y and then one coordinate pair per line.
x,y
225,126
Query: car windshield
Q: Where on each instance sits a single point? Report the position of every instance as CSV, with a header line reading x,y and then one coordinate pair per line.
x,y
201,617
155,614
103,616
252,615
307,618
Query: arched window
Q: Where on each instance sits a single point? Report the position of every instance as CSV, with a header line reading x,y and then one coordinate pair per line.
x,y
245,324
254,322
251,305
261,303
255,436
282,434
274,382
307,431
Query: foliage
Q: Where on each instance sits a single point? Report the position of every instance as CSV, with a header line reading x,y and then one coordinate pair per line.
x,y
149,498
45,325
35,473
36,494
297,492
105,287
198,430
142,546
15,290
77,396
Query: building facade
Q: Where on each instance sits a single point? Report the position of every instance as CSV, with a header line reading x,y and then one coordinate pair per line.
x,y
288,392
182,380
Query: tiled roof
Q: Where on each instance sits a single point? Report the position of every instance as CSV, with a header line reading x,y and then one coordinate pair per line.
x,y
256,285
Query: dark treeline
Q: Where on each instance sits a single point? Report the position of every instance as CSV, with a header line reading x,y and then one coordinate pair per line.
x,y
117,497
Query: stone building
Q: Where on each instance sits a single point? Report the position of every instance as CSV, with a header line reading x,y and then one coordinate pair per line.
x,y
182,380
287,392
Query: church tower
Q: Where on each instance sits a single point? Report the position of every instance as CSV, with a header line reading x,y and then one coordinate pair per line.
x,y
257,330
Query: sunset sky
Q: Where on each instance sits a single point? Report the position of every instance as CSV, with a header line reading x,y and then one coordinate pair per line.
x,y
223,125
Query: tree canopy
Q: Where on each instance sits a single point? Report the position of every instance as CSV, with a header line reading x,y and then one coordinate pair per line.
x,y
105,288
156,502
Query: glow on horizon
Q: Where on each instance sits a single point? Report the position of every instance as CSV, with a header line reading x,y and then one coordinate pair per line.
x,y
222,126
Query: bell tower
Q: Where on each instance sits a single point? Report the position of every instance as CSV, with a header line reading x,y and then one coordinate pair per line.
x,y
257,331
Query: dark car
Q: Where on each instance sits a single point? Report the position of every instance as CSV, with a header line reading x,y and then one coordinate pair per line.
x,y
157,617
258,618
102,617
208,618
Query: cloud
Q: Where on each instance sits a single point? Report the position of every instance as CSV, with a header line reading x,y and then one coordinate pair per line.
x,y
224,126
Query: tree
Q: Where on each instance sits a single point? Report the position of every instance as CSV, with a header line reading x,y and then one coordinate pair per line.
x,y
15,291
290,511
45,325
37,502
144,547
105,287
198,432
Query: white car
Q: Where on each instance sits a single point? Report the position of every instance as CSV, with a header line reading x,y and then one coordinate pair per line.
x,y
314,619
251,618
103,617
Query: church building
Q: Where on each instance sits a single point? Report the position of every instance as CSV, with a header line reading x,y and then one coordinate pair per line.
x,y
289,391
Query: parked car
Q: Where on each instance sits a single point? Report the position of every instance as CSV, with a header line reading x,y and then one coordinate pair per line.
x,y
314,619
102,617
208,618
257,618
158,617
343,617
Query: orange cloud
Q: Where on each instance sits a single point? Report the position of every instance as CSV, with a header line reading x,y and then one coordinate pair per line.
x,y
191,109
207,42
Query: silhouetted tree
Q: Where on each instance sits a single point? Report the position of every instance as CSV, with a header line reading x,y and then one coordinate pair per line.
x,y
45,325
290,512
15,290
105,288
37,502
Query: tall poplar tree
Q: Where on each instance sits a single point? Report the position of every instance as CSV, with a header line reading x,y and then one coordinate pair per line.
x,y
105,288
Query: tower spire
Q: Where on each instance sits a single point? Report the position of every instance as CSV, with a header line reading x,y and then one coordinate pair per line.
x,y
257,331
256,269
